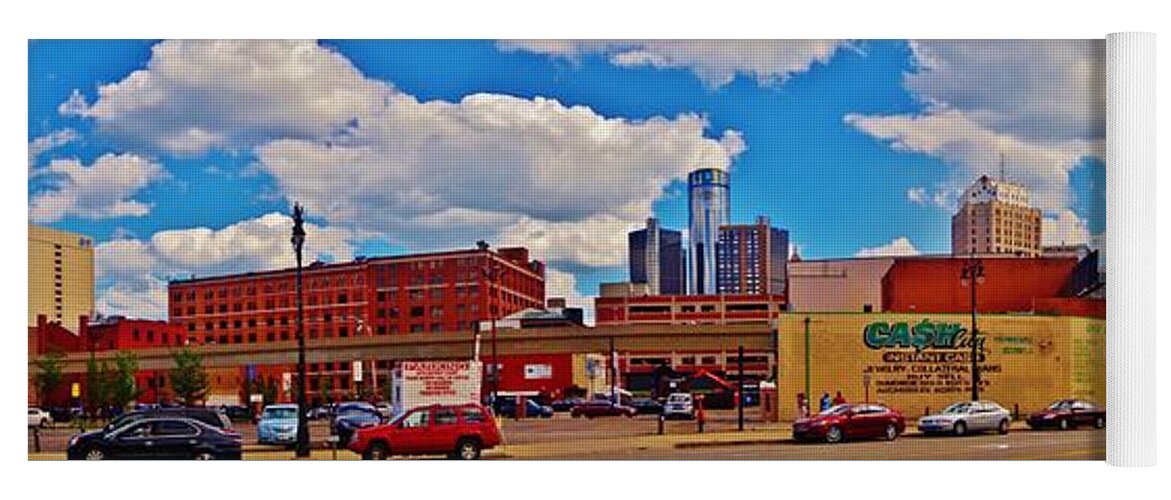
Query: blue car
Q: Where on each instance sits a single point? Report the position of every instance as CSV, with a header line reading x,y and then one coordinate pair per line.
x,y
278,425
506,407
352,416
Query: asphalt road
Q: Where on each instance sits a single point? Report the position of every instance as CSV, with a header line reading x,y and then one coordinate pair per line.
x,y
618,438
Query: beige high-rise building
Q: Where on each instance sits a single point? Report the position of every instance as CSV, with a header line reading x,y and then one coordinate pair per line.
x,y
60,276
995,218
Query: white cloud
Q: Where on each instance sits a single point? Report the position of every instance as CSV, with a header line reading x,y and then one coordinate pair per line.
x,y
1040,90
917,195
562,179
562,284
899,247
716,62
956,138
138,269
430,174
1066,228
47,142
99,191
198,94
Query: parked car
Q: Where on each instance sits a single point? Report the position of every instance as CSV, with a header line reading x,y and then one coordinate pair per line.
x,y
506,407
851,421
320,412
63,414
563,405
209,416
647,406
278,425
157,438
458,431
679,405
352,416
39,418
1069,414
237,413
602,408
970,416
384,409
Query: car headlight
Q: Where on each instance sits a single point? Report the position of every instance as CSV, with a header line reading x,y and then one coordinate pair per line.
x,y
73,441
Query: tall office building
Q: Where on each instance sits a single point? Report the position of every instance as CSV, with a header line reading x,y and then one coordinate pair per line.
x,y
996,218
656,259
60,276
708,192
752,259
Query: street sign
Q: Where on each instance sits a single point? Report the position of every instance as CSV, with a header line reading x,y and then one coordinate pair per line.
x,y
357,370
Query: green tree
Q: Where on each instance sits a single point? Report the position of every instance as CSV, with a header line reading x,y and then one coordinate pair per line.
x,y
188,378
97,384
49,375
270,391
327,390
122,386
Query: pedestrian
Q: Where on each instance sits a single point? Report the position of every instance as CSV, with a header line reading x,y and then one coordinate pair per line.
x,y
825,401
839,399
802,405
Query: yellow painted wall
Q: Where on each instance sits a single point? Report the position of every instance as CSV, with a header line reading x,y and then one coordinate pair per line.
x,y
1028,361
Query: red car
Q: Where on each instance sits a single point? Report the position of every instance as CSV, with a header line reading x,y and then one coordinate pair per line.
x,y
602,408
851,421
458,431
1068,414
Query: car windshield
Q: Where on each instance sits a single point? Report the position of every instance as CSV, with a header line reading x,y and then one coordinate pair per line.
x,y
957,408
355,410
1061,405
837,410
275,413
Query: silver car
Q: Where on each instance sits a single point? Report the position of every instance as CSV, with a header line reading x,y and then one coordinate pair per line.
x,y
966,417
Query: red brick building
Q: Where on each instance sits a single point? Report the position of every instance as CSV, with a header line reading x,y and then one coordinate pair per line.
x,y
1011,284
436,292
687,309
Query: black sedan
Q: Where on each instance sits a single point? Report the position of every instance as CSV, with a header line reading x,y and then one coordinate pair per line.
x,y
352,416
647,406
567,404
161,438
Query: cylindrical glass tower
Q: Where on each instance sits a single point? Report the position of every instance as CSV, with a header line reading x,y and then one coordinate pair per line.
x,y
708,201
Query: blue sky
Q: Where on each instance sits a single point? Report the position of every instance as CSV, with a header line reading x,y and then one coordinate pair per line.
x,y
184,159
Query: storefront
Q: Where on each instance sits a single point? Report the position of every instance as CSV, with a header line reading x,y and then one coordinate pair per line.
x,y
919,363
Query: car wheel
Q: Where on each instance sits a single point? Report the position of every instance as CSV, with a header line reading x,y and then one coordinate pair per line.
x,y
960,428
1003,427
1063,424
892,432
95,454
833,435
204,455
467,449
1100,423
376,451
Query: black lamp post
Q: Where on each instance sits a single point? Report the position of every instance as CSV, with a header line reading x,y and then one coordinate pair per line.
x,y
972,275
491,278
302,418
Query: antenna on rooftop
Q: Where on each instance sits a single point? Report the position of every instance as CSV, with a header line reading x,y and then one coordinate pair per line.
x,y
1003,177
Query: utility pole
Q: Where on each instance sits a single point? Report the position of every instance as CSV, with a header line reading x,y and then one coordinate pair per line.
x,y
613,372
740,388
972,275
808,394
298,241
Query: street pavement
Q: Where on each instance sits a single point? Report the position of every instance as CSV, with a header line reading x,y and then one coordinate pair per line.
x,y
618,438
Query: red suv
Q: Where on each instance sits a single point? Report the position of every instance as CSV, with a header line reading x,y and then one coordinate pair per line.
x,y
458,431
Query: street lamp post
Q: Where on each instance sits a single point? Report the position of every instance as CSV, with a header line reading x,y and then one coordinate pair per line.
x,y
972,275
808,394
491,276
298,241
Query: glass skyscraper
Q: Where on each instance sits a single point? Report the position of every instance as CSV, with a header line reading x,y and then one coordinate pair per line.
x,y
708,192
657,259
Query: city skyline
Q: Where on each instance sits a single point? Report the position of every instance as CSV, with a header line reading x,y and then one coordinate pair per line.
x,y
856,148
